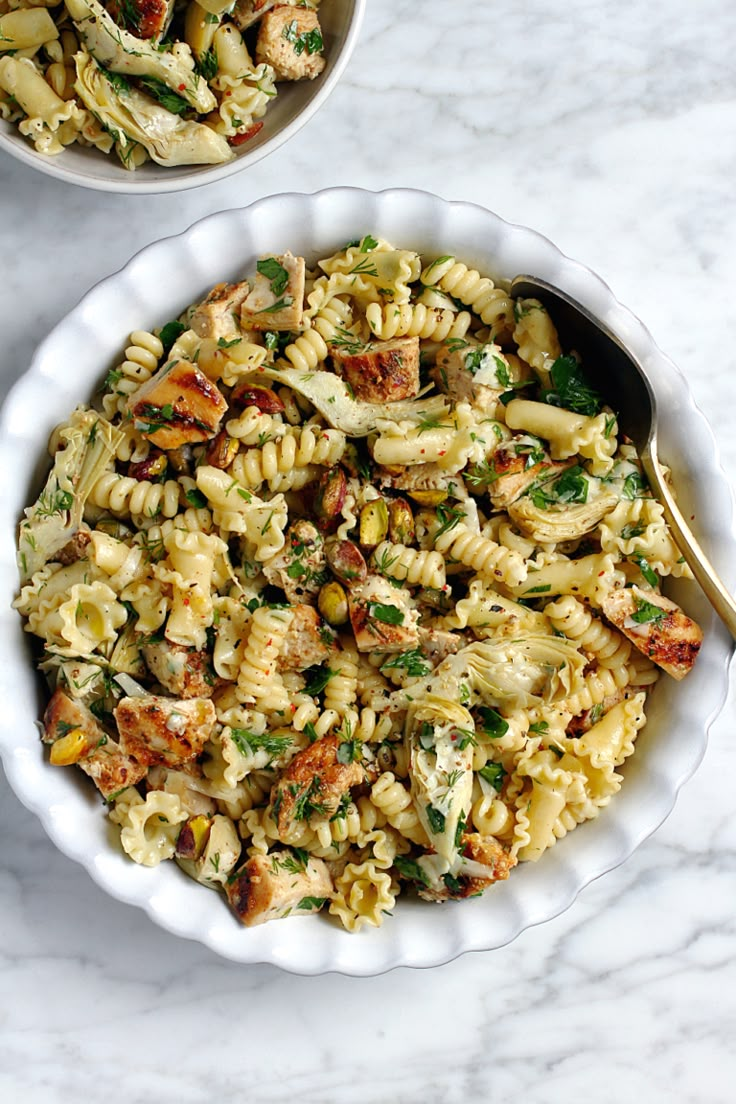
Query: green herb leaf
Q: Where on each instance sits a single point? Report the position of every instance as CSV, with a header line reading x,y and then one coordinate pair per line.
x,y
275,272
436,819
571,388
311,902
161,92
493,773
413,662
494,725
195,498
647,611
316,679
170,333
389,615
409,868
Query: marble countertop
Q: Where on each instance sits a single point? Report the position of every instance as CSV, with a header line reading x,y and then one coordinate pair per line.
x,y
610,128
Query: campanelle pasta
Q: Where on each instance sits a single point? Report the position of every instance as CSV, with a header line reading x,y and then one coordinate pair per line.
x,y
349,583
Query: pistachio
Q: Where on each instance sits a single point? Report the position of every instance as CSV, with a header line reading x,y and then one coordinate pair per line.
x,y
347,562
400,522
428,498
332,603
373,523
193,837
221,450
329,495
151,468
250,394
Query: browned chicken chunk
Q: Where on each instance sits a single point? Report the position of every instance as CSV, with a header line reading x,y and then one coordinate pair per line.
x,y
656,626
171,731
290,40
271,887
277,299
109,767
312,785
383,372
185,672
177,405
308,640
382,618
218,316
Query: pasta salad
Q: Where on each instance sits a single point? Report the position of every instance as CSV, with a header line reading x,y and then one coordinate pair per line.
x,y
348,582
147,79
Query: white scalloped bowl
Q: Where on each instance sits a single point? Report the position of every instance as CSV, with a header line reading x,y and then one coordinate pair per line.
x,y
294,106
156,284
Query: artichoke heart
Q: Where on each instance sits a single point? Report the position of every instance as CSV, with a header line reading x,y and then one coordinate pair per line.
x,y
130,116
122,52
536,669
88,444
332,398
563,522
441,737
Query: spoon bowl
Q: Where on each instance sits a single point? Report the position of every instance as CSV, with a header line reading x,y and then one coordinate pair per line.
x,y
623,383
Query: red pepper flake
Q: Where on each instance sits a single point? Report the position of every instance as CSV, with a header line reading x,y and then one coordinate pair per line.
x,y
442,452
182,88
185,601
238,139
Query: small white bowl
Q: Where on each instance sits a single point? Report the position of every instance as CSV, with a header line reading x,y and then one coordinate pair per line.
x,y
156,285
294,106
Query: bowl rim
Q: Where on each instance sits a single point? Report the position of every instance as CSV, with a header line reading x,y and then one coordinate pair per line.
x,y
136,183
360,957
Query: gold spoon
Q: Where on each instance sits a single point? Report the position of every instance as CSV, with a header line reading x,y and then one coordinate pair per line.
x,y
625,386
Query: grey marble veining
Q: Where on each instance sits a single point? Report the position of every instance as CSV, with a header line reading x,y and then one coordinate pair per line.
x,y
610,128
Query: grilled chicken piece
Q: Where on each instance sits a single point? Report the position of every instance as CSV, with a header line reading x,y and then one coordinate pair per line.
x,y
308,640
183,671
290,40
171,731
177,405
515,475
270,887
476,373
143,18
385,371
382,617
217,317
656,626
247,12
312,784
277,299
299,569
110,768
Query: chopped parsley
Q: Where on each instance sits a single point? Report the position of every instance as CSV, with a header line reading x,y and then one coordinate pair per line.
x,y
436,819
316,679
275,273
493,724
571,486
493,773
571,389
647,611
311,41
389,615
169,334
413,662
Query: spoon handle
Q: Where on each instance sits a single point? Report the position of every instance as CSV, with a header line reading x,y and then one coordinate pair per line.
x,y
703,570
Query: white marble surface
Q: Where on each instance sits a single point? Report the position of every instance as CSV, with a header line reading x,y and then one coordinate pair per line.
x,y
610,127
